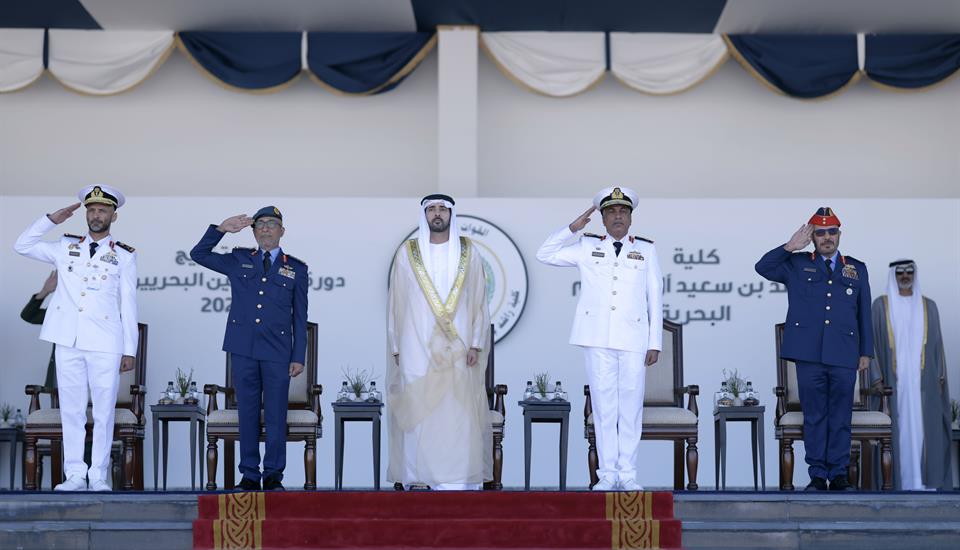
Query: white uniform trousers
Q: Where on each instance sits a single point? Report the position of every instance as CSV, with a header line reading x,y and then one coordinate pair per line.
x,y
617,380
78,372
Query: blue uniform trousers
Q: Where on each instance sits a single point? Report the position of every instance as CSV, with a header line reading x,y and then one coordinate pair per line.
x,y
826,396
251,379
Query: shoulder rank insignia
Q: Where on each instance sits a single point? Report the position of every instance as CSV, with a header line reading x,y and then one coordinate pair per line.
x,y
72,236
595,236
644,239
244,249
288,256
126,247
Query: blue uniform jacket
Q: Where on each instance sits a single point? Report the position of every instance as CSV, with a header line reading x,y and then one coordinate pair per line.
x,y
828,318
268,311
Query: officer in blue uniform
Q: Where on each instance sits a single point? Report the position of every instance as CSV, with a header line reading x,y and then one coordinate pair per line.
x,y
828,334
266,335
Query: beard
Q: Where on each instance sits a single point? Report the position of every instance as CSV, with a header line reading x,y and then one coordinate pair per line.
x,y
440,227
904,285
96,226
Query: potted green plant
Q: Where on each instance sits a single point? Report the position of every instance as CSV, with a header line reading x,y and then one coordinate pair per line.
x,y
737,386
357,380
541,381
6,412
183,384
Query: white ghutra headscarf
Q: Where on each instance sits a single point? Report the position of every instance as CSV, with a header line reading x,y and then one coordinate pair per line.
x,y
453,248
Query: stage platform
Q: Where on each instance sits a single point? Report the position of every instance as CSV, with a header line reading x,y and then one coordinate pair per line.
x,y
733,519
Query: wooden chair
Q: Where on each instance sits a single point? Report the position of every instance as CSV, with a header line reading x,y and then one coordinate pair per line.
x,y
498,414
128,428
304,419
867,426
664,416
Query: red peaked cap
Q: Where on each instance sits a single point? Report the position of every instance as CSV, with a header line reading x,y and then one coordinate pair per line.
x,y
825,217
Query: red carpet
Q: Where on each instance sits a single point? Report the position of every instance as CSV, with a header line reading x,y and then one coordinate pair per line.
x,y
469,520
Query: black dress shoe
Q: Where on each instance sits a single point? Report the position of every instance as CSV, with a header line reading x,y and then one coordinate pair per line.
x,y
272,483
816,484
247,484
840,483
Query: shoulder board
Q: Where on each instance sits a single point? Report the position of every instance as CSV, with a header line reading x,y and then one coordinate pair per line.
x,y
126,247
244,249
644,239
594,235
289,257
852,258
72,236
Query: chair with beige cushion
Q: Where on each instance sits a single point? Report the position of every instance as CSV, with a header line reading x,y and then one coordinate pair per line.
x,y
304,419
664,416
867,427
128,429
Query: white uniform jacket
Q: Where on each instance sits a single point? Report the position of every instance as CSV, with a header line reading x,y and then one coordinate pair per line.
x,y
620,296
94,307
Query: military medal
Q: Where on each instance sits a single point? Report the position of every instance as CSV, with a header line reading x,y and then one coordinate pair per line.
x,y
850,271
635,256
110,258
287,272
849,292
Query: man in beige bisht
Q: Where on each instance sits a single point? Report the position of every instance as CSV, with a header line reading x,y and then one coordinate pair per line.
x,y
438,326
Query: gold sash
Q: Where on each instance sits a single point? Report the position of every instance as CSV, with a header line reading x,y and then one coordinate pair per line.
x,y
443,311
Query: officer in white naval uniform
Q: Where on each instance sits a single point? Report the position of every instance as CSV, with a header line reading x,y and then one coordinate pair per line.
x,y
92,319
619,324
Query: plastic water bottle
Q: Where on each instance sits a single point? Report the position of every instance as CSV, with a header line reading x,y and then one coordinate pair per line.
x,y
171,392
18,419
344,393
558,393
373,394
528,393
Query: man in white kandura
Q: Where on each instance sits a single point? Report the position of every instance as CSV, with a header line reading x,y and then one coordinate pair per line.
x,y
618,323
438,329
909,356
92,319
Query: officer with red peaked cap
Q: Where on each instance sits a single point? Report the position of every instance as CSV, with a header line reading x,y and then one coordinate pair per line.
x,y
828,335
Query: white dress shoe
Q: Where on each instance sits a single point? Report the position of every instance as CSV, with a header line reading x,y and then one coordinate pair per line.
x,y
630,485
73,483
99,485
605,484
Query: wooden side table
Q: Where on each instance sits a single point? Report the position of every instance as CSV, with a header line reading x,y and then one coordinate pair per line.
x,y
178,413
753,415
350,411
13,436
554,412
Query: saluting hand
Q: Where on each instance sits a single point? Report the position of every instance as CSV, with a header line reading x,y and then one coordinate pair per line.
x,y
582,221
236,223
800,239
61,215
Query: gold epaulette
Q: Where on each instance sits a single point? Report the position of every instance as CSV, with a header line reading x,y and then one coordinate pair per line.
x,y
126,247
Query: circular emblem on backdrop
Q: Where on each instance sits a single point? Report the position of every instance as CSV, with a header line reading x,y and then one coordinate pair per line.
x,y
505,271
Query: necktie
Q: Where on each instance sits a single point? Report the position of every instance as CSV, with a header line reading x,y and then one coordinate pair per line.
x,y
266,261
829,267
617,245
93,249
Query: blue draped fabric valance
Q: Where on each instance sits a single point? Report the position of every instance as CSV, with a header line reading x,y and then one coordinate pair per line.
x,y
799,66
248,61
911,61
365,63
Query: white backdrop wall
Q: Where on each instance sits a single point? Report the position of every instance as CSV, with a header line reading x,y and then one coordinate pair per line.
x,y
179,134
355,239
